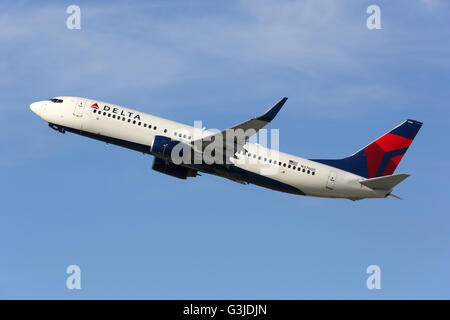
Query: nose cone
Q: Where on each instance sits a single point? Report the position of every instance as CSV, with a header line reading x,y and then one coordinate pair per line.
x,y
36,108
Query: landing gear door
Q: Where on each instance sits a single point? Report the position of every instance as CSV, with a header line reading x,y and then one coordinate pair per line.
x,y
331,180
79,108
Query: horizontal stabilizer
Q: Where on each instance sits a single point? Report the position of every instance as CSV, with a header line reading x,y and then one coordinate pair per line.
x,y
385,182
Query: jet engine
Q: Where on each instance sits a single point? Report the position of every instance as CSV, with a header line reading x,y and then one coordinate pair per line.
x,y
171,169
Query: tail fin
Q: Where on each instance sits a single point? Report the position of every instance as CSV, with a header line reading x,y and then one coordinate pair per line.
x,y
382,156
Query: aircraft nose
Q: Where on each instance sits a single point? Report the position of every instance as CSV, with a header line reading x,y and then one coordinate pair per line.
x,y
36,108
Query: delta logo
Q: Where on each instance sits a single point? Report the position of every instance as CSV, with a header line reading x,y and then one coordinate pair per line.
x,y
94,106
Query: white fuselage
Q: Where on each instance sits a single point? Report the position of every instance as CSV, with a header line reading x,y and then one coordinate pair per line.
x,y
120,125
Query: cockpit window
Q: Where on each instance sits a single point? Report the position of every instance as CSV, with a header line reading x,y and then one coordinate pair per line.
x,y
56,100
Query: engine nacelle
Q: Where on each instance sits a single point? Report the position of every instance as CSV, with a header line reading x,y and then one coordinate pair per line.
x,y
163,147
171,169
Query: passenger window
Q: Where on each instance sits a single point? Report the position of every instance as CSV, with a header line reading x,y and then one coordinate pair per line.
x,y
284,164
303,170
313,173
134,121
114,116
154,128
109,115
308,172
165,130
129,120
95,111
145,125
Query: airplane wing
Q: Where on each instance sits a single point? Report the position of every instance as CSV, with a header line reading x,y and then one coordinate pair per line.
x,y
243,131
261,121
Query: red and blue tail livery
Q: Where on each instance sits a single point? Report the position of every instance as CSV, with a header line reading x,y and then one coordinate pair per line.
x,y
382,156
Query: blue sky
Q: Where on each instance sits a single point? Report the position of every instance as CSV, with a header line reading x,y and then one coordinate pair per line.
x,y
139,234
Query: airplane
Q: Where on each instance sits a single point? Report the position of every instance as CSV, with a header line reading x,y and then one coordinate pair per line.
x,y
368,173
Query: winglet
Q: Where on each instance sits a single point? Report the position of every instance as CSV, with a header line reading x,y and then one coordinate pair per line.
x,y
270,114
